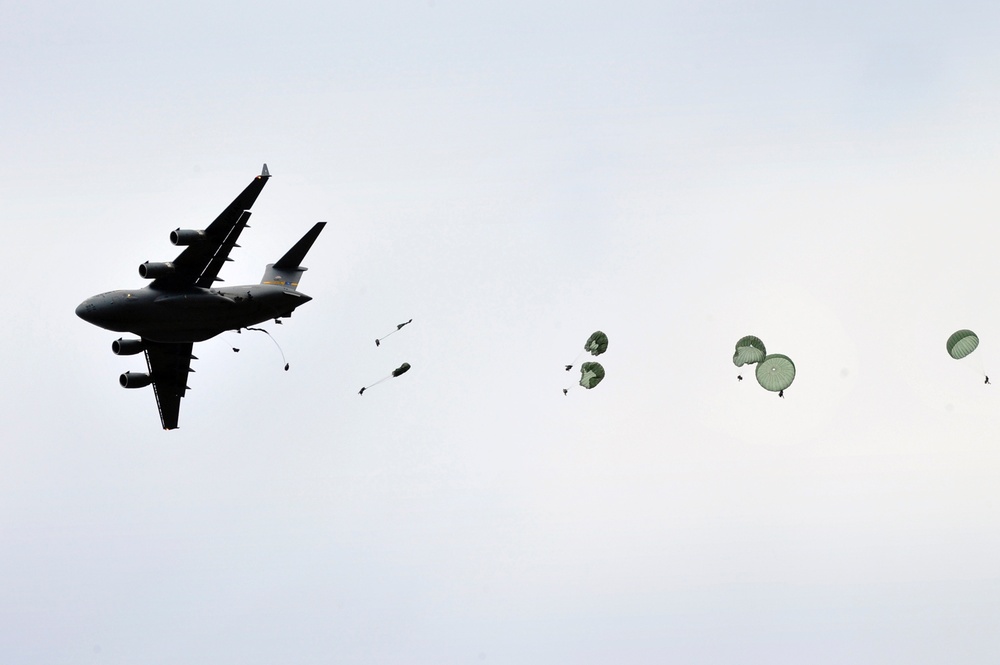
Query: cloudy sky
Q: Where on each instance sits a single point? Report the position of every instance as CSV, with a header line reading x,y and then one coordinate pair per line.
x,y
512,176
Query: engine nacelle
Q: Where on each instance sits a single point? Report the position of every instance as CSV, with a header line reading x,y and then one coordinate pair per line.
x,y
127,347
153,270
134,380
185,236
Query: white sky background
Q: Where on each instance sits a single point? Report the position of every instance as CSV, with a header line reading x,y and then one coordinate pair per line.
x,y
512,177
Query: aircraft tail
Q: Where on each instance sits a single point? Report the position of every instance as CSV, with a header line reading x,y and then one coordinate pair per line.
x,y
288,269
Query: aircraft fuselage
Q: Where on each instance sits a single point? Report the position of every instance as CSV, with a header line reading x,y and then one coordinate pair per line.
x,y
190,315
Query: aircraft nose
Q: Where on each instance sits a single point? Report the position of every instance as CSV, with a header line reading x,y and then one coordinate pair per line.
x,y
87,310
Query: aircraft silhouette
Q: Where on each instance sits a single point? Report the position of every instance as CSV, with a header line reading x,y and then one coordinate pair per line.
x,y
181,305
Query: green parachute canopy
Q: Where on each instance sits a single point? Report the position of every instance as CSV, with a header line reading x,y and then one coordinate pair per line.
x,y
962,343
596,344
775,372
591,374
749,350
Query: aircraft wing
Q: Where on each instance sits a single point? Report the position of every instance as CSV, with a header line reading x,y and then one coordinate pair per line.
x,y
169,364
199,264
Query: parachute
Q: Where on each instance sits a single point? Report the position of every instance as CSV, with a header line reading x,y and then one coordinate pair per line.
x,y
775,372
591,374
378,341
749,350
595,345
402,369
236,349
962,343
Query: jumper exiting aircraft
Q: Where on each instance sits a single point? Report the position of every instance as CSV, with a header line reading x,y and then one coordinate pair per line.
x,y
181,305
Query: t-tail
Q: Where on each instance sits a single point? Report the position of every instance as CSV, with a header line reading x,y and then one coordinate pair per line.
x,y
288,269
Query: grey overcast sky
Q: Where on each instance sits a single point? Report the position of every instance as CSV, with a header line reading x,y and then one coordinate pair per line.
x,y
513,176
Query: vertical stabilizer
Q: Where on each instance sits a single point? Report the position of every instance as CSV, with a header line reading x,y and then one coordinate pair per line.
x,y
288,269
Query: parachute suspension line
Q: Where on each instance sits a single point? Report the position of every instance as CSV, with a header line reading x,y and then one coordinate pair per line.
x,y
576,360
399,327
275,343
235,349
384,378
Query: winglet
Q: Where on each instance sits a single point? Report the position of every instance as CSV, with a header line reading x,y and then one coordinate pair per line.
x,y
265,173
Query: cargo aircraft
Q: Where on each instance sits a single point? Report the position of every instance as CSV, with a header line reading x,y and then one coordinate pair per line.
x,y
182,304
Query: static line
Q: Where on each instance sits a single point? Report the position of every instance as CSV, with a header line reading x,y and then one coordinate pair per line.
x,y
275,343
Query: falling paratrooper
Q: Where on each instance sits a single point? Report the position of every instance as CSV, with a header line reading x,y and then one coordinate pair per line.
x,y
402,369
378,341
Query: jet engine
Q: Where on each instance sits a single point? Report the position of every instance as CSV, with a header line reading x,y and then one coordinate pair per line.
x,y
127,347
185,236
134,380
153,270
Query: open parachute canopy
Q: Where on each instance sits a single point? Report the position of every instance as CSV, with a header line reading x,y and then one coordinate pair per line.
x,y
749,350
775,372
596,344
591,374
962,343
